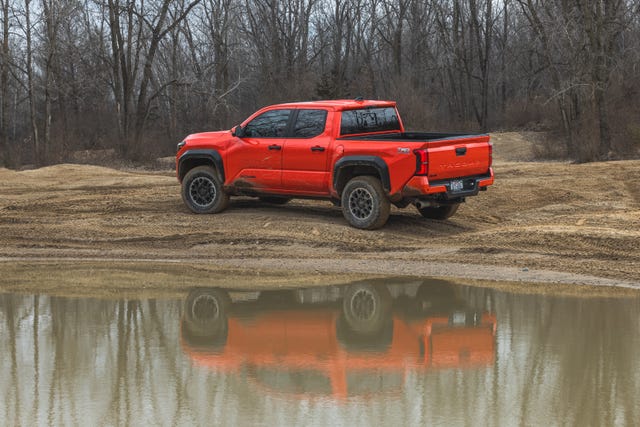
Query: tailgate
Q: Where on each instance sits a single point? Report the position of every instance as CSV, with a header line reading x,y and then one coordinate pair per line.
x,y
459,157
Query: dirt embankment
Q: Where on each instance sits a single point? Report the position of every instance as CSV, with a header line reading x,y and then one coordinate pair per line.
x,y
538,218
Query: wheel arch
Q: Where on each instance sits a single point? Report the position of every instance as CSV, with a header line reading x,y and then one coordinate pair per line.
x,y
204,157
351,166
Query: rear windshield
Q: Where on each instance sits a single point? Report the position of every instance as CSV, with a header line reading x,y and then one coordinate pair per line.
x,y
369,120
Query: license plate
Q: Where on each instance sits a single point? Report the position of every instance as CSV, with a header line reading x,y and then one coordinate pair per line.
x,y
456,185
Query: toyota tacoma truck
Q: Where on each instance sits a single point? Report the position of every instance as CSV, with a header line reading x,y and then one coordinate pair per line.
x,y
355,153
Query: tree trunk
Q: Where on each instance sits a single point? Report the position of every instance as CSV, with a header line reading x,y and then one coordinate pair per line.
x,y
50,19
4,88
114,27
604,147
503,60
30,87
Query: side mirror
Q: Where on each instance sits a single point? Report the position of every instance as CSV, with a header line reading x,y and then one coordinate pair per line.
x,y
238,131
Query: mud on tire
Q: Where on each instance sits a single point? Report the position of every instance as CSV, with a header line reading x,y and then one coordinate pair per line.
x,y
202,191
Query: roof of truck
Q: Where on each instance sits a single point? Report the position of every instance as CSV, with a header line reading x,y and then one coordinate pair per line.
x,y
338,104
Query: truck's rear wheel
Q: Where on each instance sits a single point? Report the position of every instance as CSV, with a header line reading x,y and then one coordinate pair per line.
x,y
364,203
202,191
441,212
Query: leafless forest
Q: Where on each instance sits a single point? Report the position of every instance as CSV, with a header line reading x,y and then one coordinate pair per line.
x,y
135,76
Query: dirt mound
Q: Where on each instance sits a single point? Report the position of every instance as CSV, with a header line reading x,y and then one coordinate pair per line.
x,y
514,146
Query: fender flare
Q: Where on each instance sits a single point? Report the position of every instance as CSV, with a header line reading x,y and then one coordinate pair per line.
x,y
205,154
373,161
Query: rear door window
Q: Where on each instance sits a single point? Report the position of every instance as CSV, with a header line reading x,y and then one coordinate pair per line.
x,y
309,123
369,120
270,124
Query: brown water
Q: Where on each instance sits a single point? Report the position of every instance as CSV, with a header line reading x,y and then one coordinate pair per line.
x,y
392,352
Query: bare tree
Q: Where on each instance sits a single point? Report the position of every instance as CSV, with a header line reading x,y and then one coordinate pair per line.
x,y
279,33
564,92
4,85
602,24
136,32
31,85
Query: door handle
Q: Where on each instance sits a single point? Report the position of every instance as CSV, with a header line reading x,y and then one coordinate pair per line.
x,y
461,151
275,147
317,148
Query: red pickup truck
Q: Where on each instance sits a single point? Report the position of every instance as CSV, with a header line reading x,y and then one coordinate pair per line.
x,y
355,153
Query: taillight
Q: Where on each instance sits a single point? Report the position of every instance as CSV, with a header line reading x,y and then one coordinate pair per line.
x,y
422,162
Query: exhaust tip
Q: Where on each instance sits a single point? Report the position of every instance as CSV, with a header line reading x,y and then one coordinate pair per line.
x,y
420,204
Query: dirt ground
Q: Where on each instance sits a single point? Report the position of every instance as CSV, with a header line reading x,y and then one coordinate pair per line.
x,y
542,222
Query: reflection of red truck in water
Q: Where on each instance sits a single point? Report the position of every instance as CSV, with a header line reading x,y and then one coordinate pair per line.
x,y
336,341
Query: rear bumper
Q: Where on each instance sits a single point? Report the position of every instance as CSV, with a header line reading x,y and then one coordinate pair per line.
x,y
421,186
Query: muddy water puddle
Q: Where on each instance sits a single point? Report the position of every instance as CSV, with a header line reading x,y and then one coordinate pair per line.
x,y
369,352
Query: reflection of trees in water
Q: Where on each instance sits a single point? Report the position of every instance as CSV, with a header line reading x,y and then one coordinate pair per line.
x,y
72,361
595,355
11,385
564,360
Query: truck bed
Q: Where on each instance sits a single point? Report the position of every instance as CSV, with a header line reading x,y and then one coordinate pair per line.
x,y
412,136
450,155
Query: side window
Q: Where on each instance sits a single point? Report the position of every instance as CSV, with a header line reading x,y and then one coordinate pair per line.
x,y
309,123
271,124
369,120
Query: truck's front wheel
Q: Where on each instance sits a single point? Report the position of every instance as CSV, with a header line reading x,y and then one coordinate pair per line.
x,y
441,212
364,203
202,191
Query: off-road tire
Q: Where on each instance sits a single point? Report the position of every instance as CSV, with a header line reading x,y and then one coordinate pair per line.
x,y
364,203
202,191
441,213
